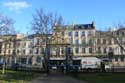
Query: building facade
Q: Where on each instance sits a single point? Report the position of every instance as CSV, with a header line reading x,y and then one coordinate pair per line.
x,y
83,40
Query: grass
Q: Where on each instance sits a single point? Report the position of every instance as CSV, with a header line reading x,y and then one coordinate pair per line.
x,y
102,77
11,76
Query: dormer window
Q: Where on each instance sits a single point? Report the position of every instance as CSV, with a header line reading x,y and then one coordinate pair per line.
x,y
80,27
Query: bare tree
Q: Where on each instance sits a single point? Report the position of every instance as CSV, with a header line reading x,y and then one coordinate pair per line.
x,y
120,26
6,28
6,25
43,22
42,25
118,36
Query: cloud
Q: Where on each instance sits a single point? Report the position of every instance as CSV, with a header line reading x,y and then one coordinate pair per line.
x,y
16,6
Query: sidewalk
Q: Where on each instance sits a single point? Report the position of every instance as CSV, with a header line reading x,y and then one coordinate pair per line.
x,y
57,79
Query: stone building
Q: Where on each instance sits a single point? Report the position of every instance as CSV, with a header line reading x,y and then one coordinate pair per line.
x,y
111,41
86,41
82,39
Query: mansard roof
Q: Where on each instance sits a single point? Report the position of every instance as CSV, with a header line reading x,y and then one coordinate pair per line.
x,y
121,29
79,26
76,26
84,26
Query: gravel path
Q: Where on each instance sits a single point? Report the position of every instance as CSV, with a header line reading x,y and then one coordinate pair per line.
x,y
56,79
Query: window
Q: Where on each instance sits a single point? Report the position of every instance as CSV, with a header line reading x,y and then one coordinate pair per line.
x,y
70,34
98,41
9,45
122,59
110,49
30,51
57,52
83,50
18,51
14,51
91,42
104,41
123,34
117,33
37,42
99,49
79,27
18,45
76,50
37,50
62,51
89,33
62,33
24,44
30,61
38,59
115,42
69,50
76,34
8,51
23,60
42,50
76,41
83,42
116,59
121,50
24,51
110,41
30,45
83,34
90,50
69,40
104,50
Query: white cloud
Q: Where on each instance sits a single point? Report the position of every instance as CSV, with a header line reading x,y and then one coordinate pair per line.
x,y
16,6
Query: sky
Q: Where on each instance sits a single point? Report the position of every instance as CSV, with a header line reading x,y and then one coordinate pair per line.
x,y
105,13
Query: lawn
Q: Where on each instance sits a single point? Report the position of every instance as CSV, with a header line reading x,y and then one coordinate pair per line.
x,y
102,77
18,76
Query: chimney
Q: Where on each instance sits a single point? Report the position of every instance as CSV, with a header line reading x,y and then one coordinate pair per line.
x,y
93,24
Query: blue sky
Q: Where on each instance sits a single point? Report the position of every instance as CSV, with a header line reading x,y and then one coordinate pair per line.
x,y
105,13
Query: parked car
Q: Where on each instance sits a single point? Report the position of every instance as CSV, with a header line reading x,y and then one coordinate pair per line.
x,y
15,66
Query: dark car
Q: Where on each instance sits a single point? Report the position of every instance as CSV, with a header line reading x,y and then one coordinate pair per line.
x,y
15,66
